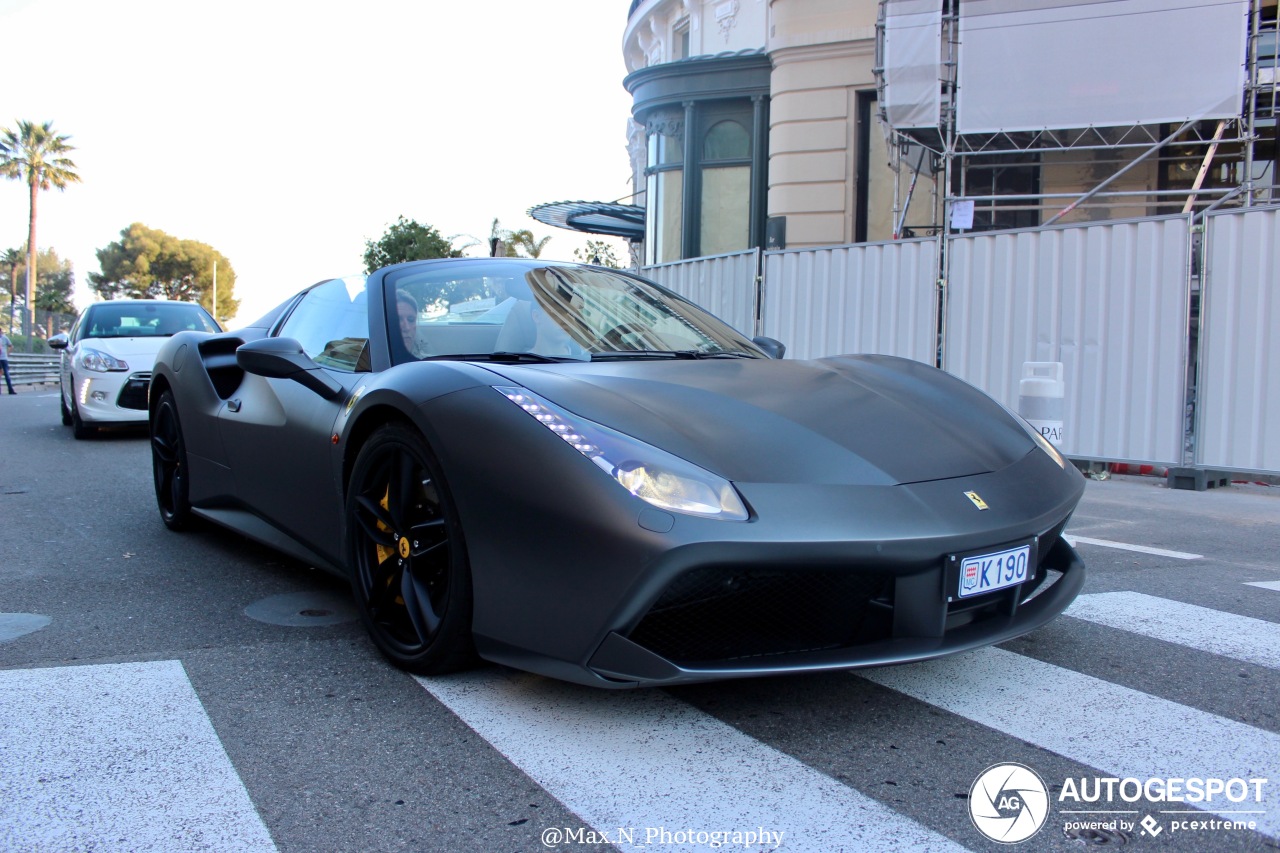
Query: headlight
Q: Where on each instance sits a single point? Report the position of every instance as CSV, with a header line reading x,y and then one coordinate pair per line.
x,y
96,360
1044,443
653,475
1041,442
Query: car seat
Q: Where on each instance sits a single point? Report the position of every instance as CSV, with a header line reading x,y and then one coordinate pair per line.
x,y
518,333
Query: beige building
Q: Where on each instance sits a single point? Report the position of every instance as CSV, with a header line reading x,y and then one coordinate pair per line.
x,y
760,123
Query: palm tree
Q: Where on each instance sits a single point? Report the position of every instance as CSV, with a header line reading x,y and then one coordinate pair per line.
x,y
524,239
514,241
35,154
12,258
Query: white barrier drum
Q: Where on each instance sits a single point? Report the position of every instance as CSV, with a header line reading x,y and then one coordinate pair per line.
x,y
1041,393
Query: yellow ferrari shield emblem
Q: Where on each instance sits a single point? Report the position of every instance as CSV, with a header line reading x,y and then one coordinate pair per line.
x,y
404,546
977,500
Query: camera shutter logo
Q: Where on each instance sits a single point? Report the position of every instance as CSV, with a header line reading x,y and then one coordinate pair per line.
x,y
1008,803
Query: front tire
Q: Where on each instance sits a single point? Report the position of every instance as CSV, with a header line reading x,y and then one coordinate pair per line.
x,y
79,428
169,465
62,404
409,570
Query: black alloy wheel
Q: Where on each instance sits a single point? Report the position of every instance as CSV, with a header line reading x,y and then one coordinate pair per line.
x,y
169,465
408,564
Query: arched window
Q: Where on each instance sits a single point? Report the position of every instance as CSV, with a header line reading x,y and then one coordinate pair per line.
x,y
727,140
725,209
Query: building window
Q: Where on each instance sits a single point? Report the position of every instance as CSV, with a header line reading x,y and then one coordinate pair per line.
x,y
725,220
1015,173
1182,160
721,194
1264,162
680,39
876,181
664,222
706,126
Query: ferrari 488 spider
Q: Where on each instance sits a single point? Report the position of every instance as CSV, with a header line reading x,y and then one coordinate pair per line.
x,y
573,471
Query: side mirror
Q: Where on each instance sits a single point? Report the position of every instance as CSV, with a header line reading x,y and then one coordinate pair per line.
x,y
284,358
59,341
772,347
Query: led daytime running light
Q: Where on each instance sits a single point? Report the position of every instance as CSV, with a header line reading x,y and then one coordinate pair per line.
x,y
551,420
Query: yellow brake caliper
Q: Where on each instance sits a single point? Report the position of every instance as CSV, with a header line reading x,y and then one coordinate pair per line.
x,y
385,553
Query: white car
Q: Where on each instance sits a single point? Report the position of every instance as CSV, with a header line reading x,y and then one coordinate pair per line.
x,y
108,355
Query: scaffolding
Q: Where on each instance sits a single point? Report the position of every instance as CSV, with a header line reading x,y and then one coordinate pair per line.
x,y
1007,177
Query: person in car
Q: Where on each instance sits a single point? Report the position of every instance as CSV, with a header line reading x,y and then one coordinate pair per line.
x,y
407,309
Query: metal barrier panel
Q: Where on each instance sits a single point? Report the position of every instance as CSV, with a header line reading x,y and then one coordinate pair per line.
x,y
1238,417
1109,301
865,298
33,368
725,285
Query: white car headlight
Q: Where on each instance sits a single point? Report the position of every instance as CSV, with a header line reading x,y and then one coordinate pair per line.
x,y
651,474
101,362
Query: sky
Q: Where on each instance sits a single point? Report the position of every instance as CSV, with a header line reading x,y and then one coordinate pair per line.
x,y
286,134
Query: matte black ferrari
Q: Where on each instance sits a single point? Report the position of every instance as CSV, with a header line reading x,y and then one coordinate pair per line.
x,y
573,471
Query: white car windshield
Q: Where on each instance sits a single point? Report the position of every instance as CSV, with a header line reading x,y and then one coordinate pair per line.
x,y
152,319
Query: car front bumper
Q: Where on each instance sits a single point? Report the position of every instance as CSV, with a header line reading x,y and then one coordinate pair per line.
x,y
906,620
112,398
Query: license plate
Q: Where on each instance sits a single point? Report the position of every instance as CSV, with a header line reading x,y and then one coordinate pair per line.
x,y
982,573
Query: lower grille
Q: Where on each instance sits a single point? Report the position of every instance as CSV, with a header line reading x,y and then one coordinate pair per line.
x,y
727,613
134,393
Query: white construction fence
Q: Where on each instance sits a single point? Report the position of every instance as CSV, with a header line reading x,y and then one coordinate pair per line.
x,y
1163,365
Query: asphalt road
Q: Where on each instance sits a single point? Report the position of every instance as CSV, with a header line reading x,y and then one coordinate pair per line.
x,y
168,692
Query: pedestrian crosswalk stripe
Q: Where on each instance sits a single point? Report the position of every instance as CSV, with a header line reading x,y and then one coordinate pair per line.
x,y
1227,634
1264,584
117,757
645,761
1074,540
1118,730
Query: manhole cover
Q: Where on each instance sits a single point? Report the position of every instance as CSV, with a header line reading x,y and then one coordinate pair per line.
x,y
15,625
303,609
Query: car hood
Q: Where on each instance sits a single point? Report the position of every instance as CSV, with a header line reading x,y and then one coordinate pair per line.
x,y
869,420
139,353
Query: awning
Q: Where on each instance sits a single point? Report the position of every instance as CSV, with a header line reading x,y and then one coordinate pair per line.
x,y
593,217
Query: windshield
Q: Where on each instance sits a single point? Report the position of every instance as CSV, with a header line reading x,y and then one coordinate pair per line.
x,y
503,310
150,319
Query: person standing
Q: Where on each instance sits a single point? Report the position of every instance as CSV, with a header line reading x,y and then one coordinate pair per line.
x,y
5,346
